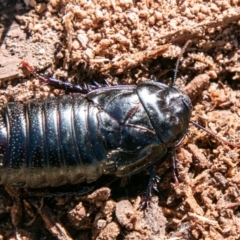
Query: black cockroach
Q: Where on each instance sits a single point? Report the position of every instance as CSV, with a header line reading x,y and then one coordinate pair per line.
x,y
118,130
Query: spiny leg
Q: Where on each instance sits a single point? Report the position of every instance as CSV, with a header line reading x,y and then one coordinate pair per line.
x,y
69,87
174,166
152,185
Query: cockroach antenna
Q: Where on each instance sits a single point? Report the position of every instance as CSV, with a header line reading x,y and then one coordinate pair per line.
x,y
236,145
178,61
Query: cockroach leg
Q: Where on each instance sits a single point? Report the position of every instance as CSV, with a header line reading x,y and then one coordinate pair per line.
x,y
69,87
152,185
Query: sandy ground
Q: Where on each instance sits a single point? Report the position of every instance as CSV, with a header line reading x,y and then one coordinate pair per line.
x,y
127,42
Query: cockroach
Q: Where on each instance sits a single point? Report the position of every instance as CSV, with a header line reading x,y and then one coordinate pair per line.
x,y
111,130
117,130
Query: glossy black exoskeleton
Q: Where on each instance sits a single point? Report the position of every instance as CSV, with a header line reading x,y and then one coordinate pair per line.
x,y
116,130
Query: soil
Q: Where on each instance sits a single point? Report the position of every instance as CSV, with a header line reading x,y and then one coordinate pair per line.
x,y
128,42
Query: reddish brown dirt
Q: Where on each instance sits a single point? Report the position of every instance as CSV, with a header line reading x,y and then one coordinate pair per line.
x,y
128,42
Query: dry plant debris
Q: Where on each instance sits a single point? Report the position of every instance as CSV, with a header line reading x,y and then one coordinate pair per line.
x,y
128,42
